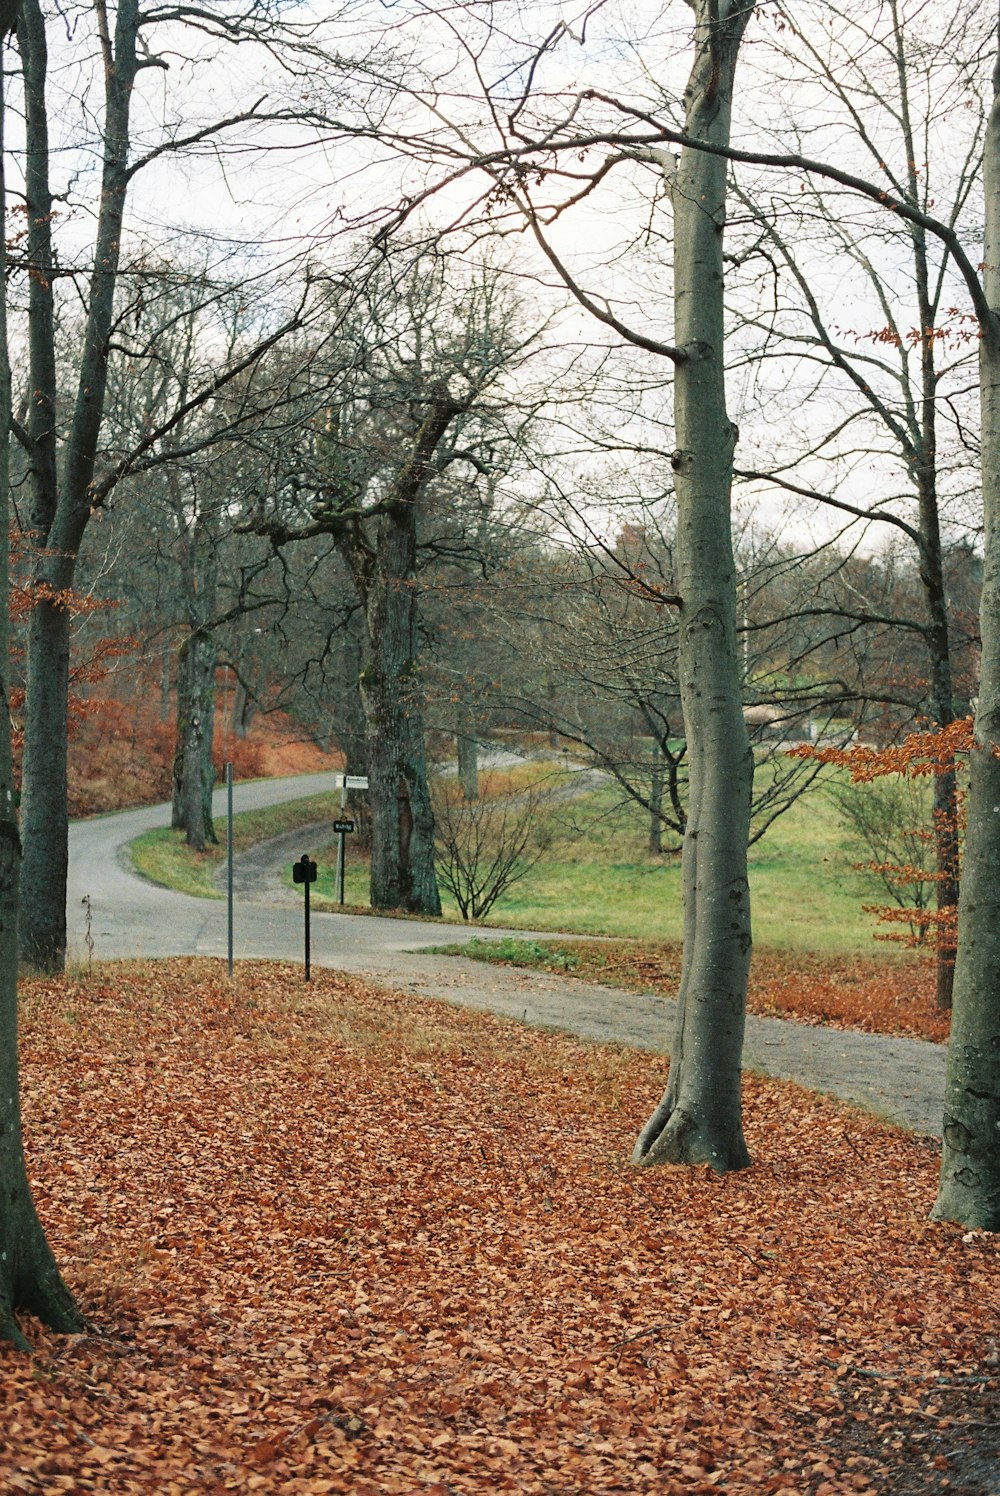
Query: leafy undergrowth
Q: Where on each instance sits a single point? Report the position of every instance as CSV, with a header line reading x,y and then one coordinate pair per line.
x,y
876,996
336,1239
121,754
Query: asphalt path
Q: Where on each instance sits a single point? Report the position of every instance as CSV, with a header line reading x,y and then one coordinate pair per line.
x,y
900,1079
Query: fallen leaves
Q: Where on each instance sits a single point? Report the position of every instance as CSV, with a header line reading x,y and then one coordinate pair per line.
x,y
341,1239
877,996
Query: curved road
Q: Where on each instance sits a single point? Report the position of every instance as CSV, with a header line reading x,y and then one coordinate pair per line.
x,y
901,1079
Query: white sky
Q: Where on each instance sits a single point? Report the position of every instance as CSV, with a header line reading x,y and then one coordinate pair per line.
x,y
278,192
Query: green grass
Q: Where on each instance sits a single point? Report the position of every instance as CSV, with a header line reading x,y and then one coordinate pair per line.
x,y
544,956
323,895
163,857
597,877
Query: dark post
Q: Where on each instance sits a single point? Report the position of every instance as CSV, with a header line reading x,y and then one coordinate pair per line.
x,y
229,867
342,827
304,872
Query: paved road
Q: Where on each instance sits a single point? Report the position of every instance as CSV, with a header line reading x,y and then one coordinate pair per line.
x,y
901,1079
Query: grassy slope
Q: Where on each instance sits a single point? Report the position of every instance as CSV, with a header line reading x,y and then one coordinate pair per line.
x,y
597,878
162,857
805,895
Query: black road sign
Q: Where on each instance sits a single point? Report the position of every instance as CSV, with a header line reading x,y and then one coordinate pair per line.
x,y
343,826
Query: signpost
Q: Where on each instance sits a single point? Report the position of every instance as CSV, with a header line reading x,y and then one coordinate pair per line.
x,y
304,872
344,825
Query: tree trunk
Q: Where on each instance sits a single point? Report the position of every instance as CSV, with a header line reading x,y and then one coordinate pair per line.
x,y
60,511
698,1121
165,687
402,862
194,773
970,1161
923,461
29,1277
656,805
383,565
243,710
44,813
467,745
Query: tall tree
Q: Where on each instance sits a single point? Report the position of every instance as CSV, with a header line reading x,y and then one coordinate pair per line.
x,y
29,1277
895,368
399,399
969,1190
62,451
699,1118
970,1162
536,155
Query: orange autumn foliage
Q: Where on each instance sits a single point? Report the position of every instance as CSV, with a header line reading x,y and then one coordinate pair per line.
x,y
922,754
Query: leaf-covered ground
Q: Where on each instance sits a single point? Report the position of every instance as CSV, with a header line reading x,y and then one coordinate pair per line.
x,y
877,996
338,1239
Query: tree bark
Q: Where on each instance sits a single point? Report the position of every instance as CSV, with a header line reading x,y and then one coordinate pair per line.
x,y
29,1277
243,709
467,746
194,772
698,1121
969,1190
655,846
402,861
61,509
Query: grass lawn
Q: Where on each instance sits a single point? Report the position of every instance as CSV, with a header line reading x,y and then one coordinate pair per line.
x,y
596,877
163,857
333,1239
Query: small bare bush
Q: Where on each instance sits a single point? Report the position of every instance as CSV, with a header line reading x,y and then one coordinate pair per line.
x,y
486,845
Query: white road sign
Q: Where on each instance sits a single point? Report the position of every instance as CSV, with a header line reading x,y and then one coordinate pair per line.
x,y
351,781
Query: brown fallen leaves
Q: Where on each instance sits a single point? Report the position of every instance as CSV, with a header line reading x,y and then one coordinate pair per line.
x,y
339,1239
876,995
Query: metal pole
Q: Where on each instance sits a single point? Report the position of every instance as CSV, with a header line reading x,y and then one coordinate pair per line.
x,y
229,862
342,842
308,974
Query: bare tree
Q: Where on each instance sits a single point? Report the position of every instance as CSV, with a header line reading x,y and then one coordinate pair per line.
x,y
895,369
400,398
29,1278
488,842
63,451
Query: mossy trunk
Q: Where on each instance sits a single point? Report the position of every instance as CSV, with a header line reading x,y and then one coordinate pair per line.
x,y
402,860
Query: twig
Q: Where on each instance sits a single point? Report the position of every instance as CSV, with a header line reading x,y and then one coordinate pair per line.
x,y
761,1266
962,1380
650,1330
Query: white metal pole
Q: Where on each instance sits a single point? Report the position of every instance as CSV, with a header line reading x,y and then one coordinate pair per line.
x,y
341,841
